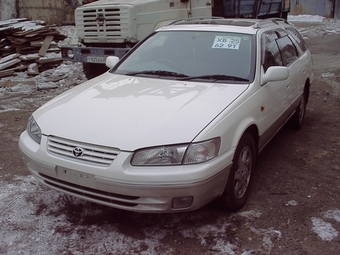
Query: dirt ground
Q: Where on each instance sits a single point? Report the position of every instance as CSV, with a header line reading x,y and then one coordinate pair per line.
x,y
295,196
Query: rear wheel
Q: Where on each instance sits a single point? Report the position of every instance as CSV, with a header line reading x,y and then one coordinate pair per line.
x,y
299,115
241,174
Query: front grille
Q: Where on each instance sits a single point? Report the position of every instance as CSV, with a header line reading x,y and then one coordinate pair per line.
x,y
98,22
92,154
91,194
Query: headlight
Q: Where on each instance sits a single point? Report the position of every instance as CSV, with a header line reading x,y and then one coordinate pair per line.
x,y
33,130
203,151
177,154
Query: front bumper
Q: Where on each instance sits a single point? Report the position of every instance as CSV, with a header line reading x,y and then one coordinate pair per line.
x,y
153,196
95,55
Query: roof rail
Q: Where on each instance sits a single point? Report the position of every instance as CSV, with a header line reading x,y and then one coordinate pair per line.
x,y
256,23
264,22
203,19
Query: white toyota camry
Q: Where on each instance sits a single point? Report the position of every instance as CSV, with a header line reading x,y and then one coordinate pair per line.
x,y
179,121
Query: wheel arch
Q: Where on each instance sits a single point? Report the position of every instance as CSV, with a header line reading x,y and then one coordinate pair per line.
x,y
252,129
241,174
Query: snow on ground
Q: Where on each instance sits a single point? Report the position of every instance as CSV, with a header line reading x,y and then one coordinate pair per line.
x,y
26,229
321,26
37,220
305,18
56,226
324,229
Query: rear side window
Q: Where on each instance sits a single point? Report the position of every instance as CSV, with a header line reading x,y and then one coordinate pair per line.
x,y
297,38
288,51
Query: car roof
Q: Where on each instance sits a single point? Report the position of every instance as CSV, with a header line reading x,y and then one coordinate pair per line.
x,y
239,25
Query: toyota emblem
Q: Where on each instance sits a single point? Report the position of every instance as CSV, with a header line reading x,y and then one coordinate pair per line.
x,y
78,152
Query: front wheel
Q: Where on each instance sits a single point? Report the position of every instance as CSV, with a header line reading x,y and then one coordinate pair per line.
x,y
241,174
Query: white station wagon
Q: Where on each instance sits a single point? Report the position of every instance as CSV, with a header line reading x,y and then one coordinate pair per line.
x,y
179,121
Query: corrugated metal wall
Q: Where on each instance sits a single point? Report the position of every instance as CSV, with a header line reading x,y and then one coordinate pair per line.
x,y
249,8
325,8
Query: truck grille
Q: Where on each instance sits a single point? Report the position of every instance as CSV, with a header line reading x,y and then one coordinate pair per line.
x,y
91,154
102,24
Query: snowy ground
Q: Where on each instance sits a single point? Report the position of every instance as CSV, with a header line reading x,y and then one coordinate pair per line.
x,y
65,225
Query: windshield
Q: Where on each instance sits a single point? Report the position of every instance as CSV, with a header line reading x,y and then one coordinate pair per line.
x,y
192,55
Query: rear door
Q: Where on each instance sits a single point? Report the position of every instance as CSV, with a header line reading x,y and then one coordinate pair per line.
x,y
292,58
303,63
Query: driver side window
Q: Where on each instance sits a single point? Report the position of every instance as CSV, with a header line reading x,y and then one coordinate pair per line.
x,y
270,51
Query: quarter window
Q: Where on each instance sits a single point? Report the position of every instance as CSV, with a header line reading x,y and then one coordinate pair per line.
x,y
298,38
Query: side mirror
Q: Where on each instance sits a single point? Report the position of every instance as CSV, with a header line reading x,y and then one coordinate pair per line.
x,y
275,73
111,61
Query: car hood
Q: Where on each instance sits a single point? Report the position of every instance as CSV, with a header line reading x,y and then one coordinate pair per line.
x,y
132,112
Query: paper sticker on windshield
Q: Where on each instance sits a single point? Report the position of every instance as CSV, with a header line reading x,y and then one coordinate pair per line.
x,y
227,42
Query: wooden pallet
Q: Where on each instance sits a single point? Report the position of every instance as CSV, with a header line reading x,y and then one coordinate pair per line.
x,y
24,42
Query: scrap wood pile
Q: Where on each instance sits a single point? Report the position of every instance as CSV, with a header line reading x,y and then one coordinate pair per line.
x,y
24,45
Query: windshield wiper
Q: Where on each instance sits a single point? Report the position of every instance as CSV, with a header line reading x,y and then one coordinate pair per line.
x,y
216,77
158,73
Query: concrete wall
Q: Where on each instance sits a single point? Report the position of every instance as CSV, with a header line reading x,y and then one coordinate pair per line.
x,y
49,11
8,9
59,12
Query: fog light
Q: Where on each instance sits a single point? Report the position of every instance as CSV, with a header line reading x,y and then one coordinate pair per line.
x,y
182,202
70,53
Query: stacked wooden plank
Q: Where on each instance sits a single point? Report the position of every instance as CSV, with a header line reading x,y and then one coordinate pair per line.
x,y
24,45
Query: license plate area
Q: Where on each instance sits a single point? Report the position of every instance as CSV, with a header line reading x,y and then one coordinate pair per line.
x,y
93,59
75,177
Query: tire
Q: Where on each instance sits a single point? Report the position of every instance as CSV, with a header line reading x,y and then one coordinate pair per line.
x,y
241,174
299,115
92,70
